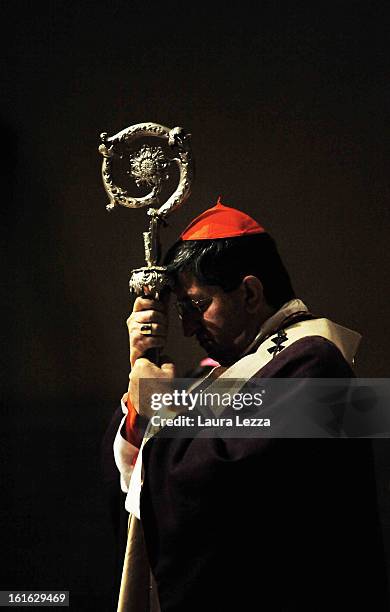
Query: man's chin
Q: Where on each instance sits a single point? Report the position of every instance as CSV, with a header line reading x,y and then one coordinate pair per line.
x,y
217,355
209,349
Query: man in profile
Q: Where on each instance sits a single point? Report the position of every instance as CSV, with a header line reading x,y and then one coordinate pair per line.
x,y
244,523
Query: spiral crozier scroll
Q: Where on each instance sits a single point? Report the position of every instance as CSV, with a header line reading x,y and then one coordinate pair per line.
x,y
149,167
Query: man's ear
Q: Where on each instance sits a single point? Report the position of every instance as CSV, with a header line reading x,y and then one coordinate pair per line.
x,y
253,293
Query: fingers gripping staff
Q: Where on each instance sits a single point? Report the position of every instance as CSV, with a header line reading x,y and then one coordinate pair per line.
x,y
148,327
149,166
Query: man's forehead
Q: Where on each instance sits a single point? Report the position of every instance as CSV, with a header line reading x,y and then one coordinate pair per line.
x,y
188,286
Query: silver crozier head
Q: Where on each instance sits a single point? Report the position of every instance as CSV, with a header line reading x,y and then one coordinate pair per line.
x,y
150,167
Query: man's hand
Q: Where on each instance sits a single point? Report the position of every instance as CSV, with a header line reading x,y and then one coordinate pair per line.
x,y
154,313
145,369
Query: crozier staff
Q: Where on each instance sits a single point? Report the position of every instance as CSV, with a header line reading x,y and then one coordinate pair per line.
x,y
244,523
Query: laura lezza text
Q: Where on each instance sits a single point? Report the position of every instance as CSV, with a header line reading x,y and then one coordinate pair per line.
x,y
201,421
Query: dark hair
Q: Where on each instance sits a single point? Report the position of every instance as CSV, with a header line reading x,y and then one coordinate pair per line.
x,y
226,261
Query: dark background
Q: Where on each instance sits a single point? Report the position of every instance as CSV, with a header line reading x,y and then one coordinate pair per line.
x,y
289,107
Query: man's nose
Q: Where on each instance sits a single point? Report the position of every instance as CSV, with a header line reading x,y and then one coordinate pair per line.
x,y
190,323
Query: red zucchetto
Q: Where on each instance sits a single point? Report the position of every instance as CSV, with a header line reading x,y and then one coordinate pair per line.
x,y
221,221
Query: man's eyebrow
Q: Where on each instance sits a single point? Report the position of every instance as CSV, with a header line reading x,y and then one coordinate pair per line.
x,y
189,297
196,297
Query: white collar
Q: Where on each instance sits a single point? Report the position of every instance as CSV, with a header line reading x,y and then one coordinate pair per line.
x,y
274,322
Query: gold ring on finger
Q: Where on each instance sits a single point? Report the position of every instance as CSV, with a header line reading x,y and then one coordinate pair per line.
x,y
146,329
